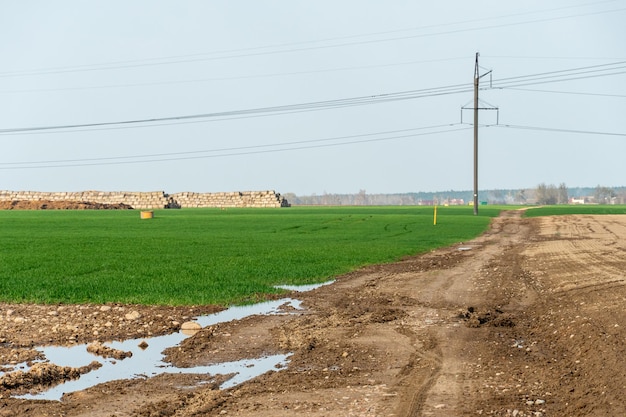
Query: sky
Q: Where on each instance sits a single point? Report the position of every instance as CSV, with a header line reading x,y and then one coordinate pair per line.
x,y
310,97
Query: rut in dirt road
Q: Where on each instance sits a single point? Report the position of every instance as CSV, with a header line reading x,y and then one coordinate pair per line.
x,y
548,318
465,297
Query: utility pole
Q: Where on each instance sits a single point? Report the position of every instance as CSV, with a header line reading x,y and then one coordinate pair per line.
x,y
477,77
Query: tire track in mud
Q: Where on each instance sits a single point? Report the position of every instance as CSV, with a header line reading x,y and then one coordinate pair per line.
x,y
591,288
444,293
420,374
572,334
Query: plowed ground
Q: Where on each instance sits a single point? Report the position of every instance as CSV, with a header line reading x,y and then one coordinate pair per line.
x,y
527,320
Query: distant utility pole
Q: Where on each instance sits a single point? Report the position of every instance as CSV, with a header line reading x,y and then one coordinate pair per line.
x,y
477,78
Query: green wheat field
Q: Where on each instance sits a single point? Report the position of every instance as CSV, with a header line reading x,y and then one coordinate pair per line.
x,y
209,256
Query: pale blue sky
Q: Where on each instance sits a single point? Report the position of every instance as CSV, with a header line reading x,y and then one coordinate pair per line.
x,y
76,63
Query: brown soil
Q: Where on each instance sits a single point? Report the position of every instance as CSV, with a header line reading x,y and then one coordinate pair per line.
x,y
527,320
59,205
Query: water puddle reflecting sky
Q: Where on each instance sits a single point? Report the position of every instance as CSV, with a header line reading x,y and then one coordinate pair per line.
x,y
148,362
303,288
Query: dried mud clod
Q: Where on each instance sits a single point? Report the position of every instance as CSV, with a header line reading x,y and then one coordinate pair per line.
x,y
44,374
12,355
495,318
205,402
99,349
385,315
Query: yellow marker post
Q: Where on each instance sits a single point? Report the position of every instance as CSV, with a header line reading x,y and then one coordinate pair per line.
x,y
435,217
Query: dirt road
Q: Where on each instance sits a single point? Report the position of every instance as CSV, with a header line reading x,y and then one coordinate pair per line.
x,y
527,320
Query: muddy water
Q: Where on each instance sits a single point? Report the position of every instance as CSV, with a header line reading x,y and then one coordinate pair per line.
x,y
303,288
148,361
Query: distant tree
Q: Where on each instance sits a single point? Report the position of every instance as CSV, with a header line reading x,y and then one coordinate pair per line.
x,y
541,193
603,195
494,196
361,198
291,198
563,197
546,194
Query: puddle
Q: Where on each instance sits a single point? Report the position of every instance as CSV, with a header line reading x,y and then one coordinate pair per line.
x,y
303,288
148,361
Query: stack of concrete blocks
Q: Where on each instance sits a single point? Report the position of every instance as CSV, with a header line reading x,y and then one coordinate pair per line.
x,y
137,200
230,199
156,199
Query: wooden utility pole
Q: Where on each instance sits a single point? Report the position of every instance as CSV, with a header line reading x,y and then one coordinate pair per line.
x,y
476,79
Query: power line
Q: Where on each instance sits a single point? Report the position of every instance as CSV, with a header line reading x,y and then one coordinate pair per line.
x,y
310,106
598,67
594,71
239,53
522,84
548,129
562,75
601,70
243,77
552,58
233,148
239,151
276,147
579,93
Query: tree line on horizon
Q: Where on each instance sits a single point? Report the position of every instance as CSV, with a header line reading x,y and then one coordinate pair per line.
x,y
547,194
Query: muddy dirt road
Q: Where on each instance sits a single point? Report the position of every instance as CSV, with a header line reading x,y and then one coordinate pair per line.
x,y
527,320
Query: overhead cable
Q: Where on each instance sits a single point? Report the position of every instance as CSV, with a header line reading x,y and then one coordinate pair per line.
x,y
601,70
247,52
232,78
334,138
310,106
548,129
228,152
579,93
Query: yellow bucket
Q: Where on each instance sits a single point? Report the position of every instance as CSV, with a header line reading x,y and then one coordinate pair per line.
x,y
147,214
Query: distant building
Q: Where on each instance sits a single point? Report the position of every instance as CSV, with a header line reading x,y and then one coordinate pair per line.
x,y
454,202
